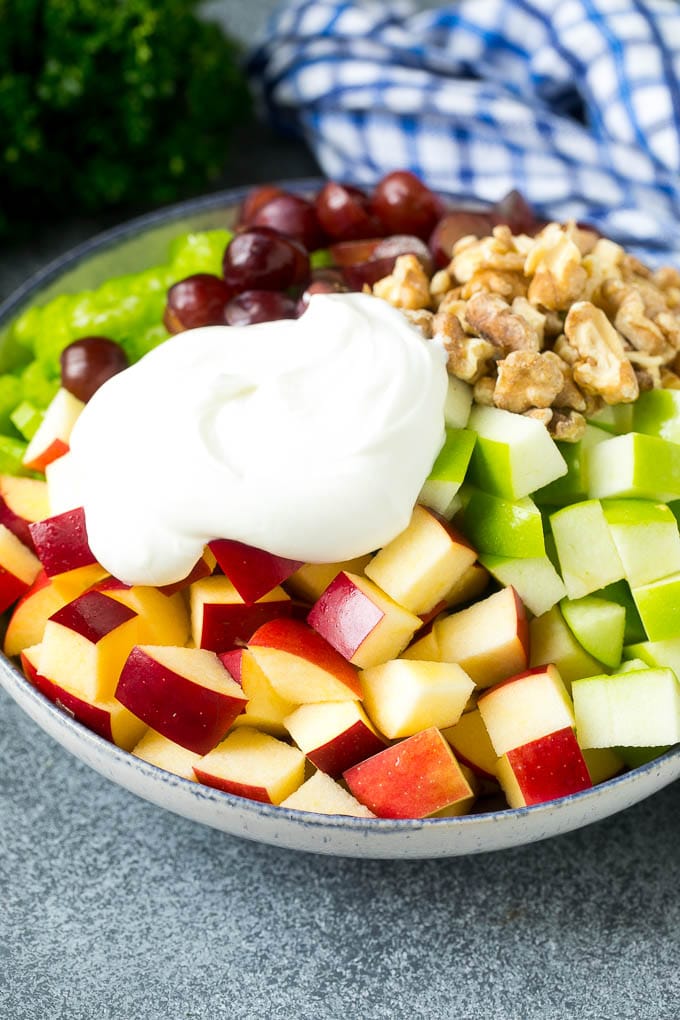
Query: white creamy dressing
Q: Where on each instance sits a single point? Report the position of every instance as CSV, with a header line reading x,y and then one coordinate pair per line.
x,y
310,438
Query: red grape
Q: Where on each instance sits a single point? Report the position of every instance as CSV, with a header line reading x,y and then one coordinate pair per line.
x,y
87,363
293,216
259,306
404,205
254,201
456,224
350,253
197,300
516,213
330,283
262,259
344,213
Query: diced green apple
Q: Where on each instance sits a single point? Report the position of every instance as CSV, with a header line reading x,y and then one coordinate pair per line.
x,y
551,640
637,709
635,465
658,604
598,625
656,653
448,472
657,413
514,455
503,527
572,487
633,757
646,537
613,418
535,580
458,403
585,548
619,591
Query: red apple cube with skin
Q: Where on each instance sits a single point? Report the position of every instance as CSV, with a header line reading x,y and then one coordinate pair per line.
x,y
106,717
472,746
302,666
253,572
19,568
526,708
220,618
53,435
364,624
85,644
166,754
23,501
415,778
203,567
163,619
404,696
324,796
489,639
422,564
547,768
265,710
186,694
30,615
311,579
251,764
334,735
61,542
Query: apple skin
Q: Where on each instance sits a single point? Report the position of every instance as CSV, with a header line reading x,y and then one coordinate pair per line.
x,y
414,778
53,435
31,613
295,638
545,769
61,542
19,568
93,615
220,620
254,765
525,708
253,572
203,567
344,735
23,501
178,706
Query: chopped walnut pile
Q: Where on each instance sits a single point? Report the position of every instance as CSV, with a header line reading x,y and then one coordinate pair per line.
x,y
553,326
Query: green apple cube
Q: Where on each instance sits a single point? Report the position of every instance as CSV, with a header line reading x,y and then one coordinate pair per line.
x,y
572,487
585,548
458,403
631,666
501,527
535,580
656,653
633,757
657,413
550,640
514,455
636,465
637,709
658,604
620,592
597,625
448,471
646,537
613,418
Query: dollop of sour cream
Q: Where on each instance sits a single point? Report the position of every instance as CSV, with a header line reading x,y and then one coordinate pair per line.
x,y
310,438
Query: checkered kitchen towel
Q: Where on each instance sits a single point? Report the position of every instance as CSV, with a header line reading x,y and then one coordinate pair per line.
x,y
574,102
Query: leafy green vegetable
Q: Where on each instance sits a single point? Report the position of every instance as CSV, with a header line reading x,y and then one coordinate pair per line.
x,y
105,104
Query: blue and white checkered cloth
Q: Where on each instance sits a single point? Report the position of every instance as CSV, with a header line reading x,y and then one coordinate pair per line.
x,y
575,103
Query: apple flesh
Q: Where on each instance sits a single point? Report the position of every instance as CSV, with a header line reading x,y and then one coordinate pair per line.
x,y
253,765
587,554
19,568
414,778
646,538
598,625
166,754
265,709
186,694
311,579
220,618
552,641
657,603
404,696
448,471
471,744
23,501
334,735
634,709
324,796
637,466
253,572
536,581
51,439
549,767
30,615
526,708
458,403
162,619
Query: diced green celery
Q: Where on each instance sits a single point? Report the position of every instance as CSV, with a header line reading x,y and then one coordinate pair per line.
x,y
12,451
10,395
38,386
25,327
200,252
26,418
139,344
321,259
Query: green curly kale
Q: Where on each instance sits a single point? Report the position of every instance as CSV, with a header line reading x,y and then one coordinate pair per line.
x,y
111,104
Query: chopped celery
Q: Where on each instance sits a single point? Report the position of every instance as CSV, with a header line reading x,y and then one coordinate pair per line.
x,y
37,386
10,395
26,418
12,451
199,253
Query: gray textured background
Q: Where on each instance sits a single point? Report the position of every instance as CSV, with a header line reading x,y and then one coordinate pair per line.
x,y
113,908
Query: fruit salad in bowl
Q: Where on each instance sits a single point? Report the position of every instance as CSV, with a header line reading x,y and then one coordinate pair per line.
x,y
349,520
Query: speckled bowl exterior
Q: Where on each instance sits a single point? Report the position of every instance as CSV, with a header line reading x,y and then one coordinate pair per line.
x,y
137,245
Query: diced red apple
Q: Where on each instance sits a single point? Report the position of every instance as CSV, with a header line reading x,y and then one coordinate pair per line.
x,y
167,755
220,618
312,579
266,710
302,666
203,567
421,565
526,708
22,502
414,778
19,568
186,694
334,735
253,572
470,741
544,769
404,696
471,584
324,796
31,613
61,542
163,619
253,765
361,621
85,644
53,435
489,639
106,717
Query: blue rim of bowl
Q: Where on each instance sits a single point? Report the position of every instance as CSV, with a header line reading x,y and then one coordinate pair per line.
x,y
9,672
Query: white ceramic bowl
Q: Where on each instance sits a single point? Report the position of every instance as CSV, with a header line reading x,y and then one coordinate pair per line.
x,y
137,245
